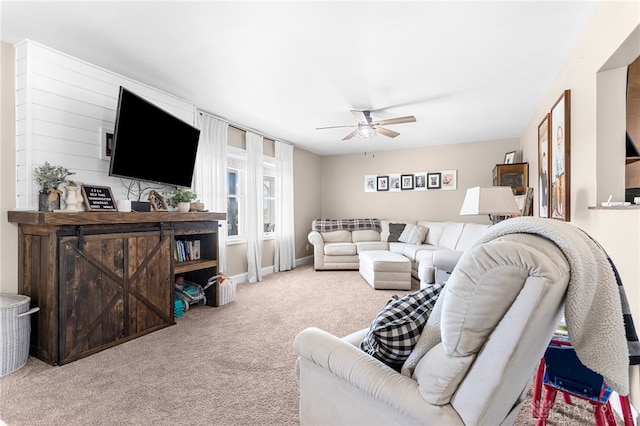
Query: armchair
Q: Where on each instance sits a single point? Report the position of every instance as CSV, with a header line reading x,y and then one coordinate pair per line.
x,y
474,359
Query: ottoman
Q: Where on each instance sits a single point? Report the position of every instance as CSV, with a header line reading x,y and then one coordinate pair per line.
x,y
385,270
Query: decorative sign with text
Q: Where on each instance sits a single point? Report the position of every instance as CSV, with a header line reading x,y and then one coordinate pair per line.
x,y
98,198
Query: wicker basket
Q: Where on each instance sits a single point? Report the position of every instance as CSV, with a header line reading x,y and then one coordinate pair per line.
x,y
15,331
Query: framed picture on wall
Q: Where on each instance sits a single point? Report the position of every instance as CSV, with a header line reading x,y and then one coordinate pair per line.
x,y
394,182
433,180
406,182
370,183
449,180
560,143
543,167
383,183
420,181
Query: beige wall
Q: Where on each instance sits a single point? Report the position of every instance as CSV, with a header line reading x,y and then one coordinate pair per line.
x,y
595,173
343,193
8,231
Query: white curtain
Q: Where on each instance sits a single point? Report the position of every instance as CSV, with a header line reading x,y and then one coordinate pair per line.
x,y
255,229
285,256
210,175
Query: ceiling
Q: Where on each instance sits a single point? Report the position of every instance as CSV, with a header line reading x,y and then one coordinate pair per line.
x,y
468,71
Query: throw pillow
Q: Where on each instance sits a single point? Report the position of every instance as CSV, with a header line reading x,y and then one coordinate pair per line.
x,y
395,230
413,234
395,330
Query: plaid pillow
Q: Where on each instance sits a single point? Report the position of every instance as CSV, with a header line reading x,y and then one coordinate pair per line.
x,y
395,330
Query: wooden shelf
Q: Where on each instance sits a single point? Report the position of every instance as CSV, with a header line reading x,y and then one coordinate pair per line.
x,y
193,265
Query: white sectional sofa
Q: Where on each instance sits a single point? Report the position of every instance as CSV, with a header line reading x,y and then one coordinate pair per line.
x,y
339,249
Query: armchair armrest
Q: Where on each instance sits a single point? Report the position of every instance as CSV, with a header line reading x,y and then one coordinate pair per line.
x,y
315,238
343,360
446,260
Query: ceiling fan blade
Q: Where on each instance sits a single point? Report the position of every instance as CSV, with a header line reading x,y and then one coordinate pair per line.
x,y
334,127
387,132
399,120
350,135
361,116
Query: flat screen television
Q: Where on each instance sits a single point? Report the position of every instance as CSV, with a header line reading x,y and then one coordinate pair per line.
x,y
150,144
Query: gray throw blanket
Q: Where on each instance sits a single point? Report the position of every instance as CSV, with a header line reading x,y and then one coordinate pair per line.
x,y
593,305
328,225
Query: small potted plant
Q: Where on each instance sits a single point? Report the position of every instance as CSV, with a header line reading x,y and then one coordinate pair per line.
x,y
182,198
49,178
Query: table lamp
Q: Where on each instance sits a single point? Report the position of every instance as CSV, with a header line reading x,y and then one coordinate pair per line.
x,y
496,201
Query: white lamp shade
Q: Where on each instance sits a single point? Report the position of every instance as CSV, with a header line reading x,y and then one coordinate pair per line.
x,y
496,200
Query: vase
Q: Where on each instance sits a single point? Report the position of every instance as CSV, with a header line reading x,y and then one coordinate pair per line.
x,y
48,201
71,201
184,207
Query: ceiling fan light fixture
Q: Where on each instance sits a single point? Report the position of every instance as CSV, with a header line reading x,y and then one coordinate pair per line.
x,y
366,131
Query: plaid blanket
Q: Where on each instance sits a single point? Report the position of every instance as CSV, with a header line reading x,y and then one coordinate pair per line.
x,y
328,225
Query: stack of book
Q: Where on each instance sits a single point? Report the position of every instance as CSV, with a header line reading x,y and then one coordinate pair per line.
x,y
186,250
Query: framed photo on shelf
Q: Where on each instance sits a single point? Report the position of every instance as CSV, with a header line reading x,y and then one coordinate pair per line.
x,y
157,201
560,142
383,183
433,181
543,167
406,182
449,180
510,157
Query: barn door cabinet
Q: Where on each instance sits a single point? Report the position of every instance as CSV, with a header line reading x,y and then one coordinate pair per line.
x,y
103,278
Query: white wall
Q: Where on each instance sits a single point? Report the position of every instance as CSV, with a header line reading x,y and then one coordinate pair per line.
x,y
597,125
62,105
343,193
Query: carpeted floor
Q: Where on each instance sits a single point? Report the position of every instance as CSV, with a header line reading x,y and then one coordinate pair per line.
x,y
232,365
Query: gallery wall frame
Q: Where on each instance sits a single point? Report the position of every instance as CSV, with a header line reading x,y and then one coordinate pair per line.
x,y
544,161
370,183
394,182
449,180
383,183
433,180
560,152
406,182
420,181
416,181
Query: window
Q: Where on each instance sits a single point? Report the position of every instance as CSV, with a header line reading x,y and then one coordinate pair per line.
x,y
269,204
236,193
233,201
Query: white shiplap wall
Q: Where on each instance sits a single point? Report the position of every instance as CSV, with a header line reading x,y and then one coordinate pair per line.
x,y
62,105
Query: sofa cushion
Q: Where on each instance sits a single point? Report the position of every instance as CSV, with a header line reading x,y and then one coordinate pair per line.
x,y
396,328
395,230
340,249
470,234
365,235
413,234
336,236
435,231
371,245
451,234
384,224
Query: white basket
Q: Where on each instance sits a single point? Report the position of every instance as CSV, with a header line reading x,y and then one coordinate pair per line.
x,y
15,331
227,291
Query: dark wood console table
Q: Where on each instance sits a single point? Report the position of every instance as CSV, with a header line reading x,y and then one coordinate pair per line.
x,y
103,278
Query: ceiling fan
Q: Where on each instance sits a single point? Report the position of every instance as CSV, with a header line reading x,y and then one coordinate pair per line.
x,y
367,127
